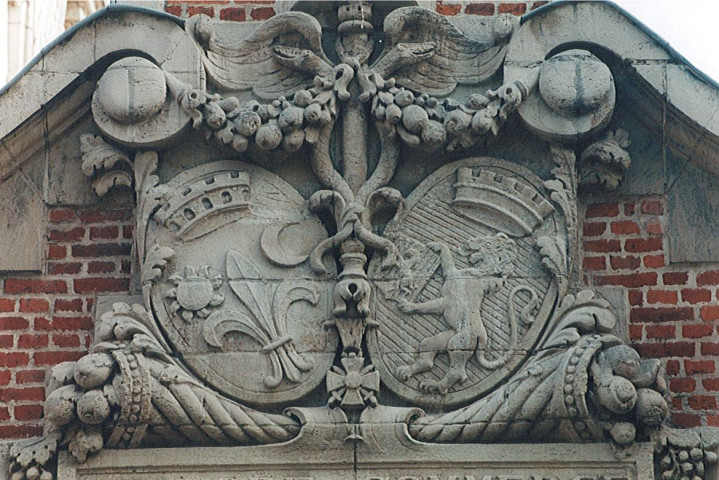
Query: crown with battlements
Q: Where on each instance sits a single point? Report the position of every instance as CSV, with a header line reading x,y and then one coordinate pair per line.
x,y
501,202
208,196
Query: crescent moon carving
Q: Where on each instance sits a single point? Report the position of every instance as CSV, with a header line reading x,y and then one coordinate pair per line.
x,y
271,247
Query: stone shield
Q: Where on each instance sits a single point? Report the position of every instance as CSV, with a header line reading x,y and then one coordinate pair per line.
x,y
241,306
491,286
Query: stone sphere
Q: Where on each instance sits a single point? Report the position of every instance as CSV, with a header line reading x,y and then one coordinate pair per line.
x,y
92,407
618,396
132,90
575,82
623,433
651,407
93,370
624,360
60,405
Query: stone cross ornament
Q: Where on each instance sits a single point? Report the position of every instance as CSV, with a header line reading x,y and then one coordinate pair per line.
x,y
356,246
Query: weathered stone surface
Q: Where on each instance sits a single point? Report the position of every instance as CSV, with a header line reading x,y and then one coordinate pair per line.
x,y
345,264
450,212
693,198
217,220
381,460
599,24
21,225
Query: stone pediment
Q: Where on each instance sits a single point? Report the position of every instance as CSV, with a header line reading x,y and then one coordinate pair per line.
x,y
342,243
660,74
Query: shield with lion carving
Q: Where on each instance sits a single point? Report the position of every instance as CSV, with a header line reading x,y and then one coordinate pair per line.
x,y
470,294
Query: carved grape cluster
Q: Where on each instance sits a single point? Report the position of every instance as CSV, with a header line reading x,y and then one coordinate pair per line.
x,y
285,123
685,463
422,120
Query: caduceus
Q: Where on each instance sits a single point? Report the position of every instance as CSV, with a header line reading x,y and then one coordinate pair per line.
x,y
424,57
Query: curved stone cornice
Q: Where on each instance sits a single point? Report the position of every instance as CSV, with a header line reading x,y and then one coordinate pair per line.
x,y
659,75
96,41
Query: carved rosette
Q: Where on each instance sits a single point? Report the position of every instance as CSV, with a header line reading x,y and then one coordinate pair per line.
x,y
253,330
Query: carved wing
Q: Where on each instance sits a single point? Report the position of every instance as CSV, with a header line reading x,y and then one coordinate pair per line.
x,y
427,53
283,55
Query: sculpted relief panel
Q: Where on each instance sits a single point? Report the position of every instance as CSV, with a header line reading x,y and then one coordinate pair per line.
x,y
469,294
243,305
350,315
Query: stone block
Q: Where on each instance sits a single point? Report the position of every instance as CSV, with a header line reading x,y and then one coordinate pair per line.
x,y
599,23
66,183
21,225
618,300
645,175
110,35
73,54
411,461
693,199
694,97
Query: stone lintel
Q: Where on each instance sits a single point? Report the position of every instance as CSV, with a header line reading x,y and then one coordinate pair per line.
x,y
409,462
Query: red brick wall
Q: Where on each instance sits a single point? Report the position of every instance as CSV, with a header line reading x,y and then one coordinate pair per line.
x,y
674,310
248,10
234,10
47,319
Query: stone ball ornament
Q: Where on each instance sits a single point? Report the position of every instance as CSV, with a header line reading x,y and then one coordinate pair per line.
x,y
574,99
133,104
591,83
132,90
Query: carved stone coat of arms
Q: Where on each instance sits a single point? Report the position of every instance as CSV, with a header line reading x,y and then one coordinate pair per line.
x,y
454,297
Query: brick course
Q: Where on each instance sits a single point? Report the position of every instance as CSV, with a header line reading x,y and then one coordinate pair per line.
x,y
255,10
673,309
47,319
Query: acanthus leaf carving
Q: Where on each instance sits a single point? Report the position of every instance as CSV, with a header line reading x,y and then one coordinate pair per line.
x,y
602,164
109,166
564,190
554,256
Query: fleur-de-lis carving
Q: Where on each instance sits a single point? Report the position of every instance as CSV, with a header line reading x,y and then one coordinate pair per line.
x,y
264,322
